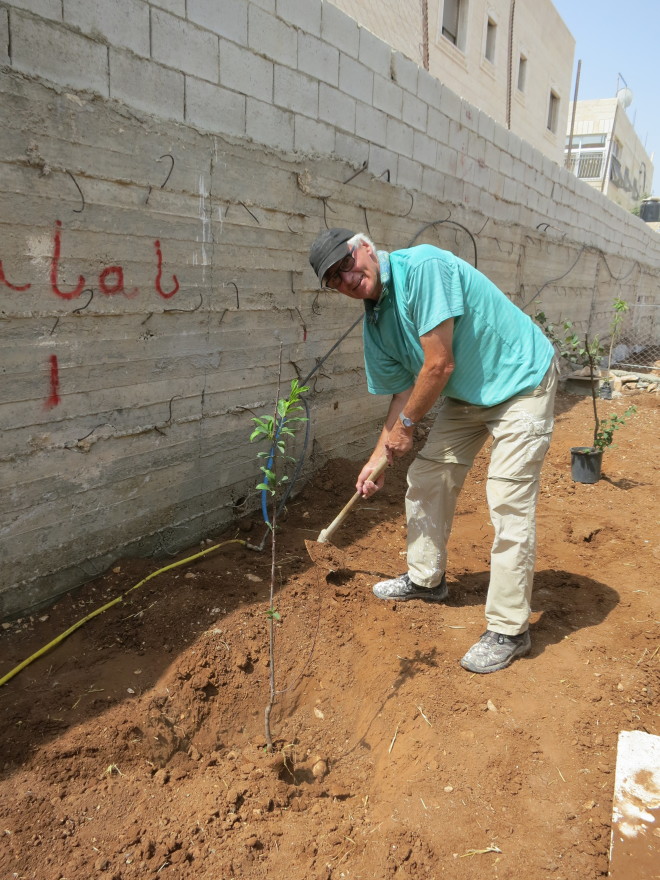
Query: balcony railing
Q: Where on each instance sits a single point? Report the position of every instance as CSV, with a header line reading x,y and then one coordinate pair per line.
x,y
587,165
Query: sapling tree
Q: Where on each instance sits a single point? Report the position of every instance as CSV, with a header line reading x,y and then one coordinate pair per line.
x,y
620,309
585,353
279,430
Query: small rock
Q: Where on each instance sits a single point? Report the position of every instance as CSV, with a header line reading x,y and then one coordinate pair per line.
x,y
448,788
130,690
320,769
117,569
189,575
253,841
44,618
318,713
491,707
254,578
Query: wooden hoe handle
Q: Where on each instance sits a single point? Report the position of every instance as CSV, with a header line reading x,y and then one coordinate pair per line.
x,y
341,516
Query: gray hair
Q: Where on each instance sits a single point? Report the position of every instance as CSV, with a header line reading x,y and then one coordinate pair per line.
x,y
361,238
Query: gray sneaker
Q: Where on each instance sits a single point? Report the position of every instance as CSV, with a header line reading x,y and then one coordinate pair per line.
x,y
495,651
403,588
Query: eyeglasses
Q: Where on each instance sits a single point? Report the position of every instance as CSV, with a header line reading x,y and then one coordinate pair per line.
x,y
333,279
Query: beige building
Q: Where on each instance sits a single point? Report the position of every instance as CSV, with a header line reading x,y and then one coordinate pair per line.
x,y
513,59
606,153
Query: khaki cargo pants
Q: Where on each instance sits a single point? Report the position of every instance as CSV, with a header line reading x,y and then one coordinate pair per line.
x,y
521,428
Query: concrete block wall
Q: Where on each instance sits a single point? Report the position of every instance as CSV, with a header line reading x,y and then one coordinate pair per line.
x,y
163,170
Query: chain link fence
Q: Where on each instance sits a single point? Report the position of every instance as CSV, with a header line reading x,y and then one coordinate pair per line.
x,y
638,346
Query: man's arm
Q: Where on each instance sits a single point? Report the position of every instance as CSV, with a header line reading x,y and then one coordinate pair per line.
x,y
364,485
415,402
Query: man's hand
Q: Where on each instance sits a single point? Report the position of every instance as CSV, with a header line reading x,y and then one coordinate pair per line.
x,y
365,486
399,441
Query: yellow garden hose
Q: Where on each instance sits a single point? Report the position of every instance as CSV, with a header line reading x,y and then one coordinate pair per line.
x,y
66,633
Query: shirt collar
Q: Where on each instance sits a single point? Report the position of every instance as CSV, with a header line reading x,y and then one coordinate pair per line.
x,y
371,308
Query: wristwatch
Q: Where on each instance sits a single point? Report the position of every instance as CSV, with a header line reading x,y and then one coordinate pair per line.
x,y
406,422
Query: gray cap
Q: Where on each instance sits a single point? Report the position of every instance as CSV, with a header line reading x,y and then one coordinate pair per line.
x,y
327,249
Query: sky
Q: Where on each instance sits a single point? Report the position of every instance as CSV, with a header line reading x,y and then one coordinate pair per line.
x,y
620,38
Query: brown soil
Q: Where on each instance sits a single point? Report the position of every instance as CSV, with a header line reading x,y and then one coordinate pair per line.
x,y
135,749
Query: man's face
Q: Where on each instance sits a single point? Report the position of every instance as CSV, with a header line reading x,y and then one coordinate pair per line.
x,y
357,275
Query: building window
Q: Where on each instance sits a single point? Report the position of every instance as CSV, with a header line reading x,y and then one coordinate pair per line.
x,y
553,112
491,30
587,155
522,73
452,14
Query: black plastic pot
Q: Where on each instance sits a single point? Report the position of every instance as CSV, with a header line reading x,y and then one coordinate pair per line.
x,y
586,463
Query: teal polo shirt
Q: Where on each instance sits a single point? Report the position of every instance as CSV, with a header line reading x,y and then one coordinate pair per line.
x,y
498,350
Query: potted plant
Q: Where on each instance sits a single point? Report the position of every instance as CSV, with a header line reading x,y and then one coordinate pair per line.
x,y
586,461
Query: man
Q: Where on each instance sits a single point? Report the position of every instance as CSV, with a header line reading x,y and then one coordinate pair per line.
x,y
435,326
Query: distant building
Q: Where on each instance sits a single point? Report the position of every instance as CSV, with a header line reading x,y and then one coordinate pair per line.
x,y
606,153
510,58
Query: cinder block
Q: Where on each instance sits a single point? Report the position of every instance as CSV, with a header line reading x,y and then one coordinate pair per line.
x,y
383,163
486,126
313,137
4,36
501,137
296,92
176,7
433,183
339,29
469,116
269,125
146,86
429,88
355,79
45,8
227,18
388,96
304,14
404,72
451,104
454,190
446,160
458,137
399,138
352,149
183,46
518,171
476,147
213,108
245,72
371,124
510,190
527,153
438,126
123,23
414,111
506,164
425,149
409,173
57,54
318,59
271,37
336,108
374,53
515,146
